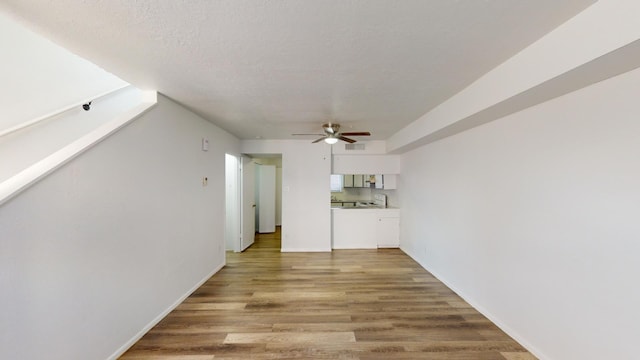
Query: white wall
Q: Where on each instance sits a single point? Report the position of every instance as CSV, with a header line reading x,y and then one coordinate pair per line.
x,y
534,219
98,250
365,164
306,209
54,79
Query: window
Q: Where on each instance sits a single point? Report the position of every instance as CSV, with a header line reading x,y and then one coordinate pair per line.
x,y
336,183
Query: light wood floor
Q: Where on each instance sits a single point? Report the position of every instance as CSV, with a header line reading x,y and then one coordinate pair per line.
x,y
348,304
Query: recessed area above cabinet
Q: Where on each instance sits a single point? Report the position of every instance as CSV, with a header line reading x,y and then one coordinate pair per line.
x,y
365,164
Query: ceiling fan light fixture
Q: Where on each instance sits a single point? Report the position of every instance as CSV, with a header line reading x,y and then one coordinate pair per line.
x,y
330,140
332,134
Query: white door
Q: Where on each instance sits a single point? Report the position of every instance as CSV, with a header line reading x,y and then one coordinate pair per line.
x,y
232,227
266,198
248,203
278,196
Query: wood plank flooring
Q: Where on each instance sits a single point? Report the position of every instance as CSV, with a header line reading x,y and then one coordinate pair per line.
x,y
348,304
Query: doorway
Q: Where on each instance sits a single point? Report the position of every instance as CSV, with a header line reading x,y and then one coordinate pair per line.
x,y
261,193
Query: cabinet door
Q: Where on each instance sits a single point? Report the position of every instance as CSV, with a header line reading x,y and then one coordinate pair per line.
x,y
348,181
379,181
358,181
390,181
388,232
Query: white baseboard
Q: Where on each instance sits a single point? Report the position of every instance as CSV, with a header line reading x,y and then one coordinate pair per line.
x,y
509,331
162,315
305,250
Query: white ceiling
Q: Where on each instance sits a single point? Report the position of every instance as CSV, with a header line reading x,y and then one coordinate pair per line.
x,y
272,68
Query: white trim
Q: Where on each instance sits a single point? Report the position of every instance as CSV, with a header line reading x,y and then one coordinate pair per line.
x,y
305,250
509,331
60,111
162,315
29,176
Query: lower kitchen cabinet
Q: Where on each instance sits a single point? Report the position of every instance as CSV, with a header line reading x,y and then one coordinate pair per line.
x,y
354,229
388,232
365,228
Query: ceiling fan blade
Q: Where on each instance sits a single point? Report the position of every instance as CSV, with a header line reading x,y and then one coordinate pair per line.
x,y
307,134
350,141
361,133
315,141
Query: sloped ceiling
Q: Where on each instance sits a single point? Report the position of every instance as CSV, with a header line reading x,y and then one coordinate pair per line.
x,y
260,68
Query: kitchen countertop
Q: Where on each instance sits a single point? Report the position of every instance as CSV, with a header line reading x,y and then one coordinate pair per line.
x,y
371,207
355,207
343,202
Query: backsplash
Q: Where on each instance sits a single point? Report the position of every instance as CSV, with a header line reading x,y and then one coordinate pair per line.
x,y
352,194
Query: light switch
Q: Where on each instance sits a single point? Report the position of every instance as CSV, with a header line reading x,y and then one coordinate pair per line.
x,y
205,144
205,181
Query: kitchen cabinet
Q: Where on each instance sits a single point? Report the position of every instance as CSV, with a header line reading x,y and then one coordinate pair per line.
x,y
388,229
347,181
390,181
365,228
379,181
358,181
387,181
354,229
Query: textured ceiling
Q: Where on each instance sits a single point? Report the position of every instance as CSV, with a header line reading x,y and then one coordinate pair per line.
x,y
272,68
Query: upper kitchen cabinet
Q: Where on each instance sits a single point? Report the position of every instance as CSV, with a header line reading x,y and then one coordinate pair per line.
x,y
358,180
389,182
366,164
386,181
378,181
348,181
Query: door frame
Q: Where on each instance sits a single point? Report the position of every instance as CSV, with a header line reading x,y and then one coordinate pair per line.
x,y
233,205
247,204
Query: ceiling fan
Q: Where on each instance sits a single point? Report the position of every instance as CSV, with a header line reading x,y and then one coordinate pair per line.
x,y
332,134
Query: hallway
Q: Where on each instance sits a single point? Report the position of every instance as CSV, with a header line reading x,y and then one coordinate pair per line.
x,y
348,304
